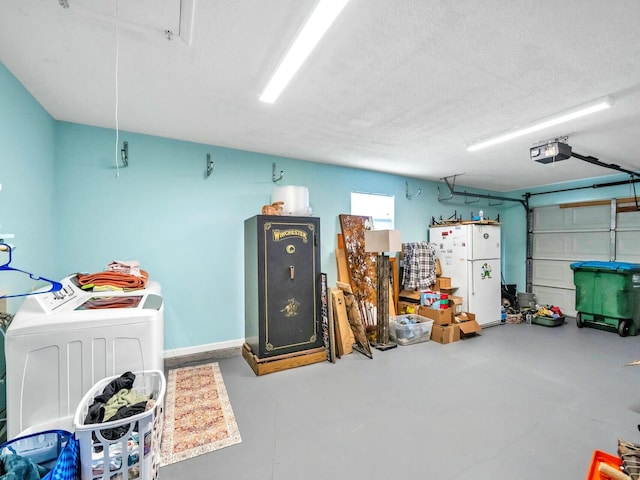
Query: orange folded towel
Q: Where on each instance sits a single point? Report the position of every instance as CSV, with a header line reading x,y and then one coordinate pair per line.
x,y
115,279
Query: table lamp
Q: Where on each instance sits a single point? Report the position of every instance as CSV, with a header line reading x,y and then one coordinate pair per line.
x,y
381,242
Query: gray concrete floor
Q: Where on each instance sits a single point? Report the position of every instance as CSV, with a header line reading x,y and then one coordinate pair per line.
x,y
517,402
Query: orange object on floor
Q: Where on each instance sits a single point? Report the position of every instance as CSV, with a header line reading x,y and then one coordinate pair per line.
x,y
602,457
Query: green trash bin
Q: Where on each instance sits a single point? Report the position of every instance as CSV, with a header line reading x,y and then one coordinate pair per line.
x,y
608,296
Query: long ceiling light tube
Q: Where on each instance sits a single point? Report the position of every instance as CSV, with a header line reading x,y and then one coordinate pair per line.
x,y
318,23
578,112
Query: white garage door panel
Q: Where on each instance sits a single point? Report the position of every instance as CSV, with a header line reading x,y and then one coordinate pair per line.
x,y
554,218
565,299
628,247
565,235
629,220
548,218
571,246
553,273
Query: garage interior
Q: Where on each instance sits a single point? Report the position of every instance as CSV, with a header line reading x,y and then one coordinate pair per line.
x,y
135,130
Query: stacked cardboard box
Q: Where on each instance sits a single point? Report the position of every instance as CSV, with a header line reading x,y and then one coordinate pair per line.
x,y
449,327
450,323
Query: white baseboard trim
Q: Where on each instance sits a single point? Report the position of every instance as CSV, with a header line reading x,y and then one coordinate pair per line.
x,y
180,352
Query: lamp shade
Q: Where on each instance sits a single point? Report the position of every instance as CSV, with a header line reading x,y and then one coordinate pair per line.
x,y
382,241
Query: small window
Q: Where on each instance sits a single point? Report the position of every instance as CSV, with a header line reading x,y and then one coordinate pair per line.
x,y
380,207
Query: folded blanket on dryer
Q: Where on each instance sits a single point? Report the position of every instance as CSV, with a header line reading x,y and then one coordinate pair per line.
x,y
132,267
115,279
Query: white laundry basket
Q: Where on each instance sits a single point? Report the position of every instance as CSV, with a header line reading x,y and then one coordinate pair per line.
x,y
136,454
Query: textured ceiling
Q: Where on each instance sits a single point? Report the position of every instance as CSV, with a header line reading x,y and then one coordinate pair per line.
x,y
395,86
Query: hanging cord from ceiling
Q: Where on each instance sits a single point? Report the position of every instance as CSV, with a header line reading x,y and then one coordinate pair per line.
x,y
116,85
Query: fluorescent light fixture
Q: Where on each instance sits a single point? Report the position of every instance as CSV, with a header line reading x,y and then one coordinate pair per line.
x,y
578,112
318,23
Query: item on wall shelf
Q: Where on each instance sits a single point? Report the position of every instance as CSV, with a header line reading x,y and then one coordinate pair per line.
x,y
362,266
55,286
453,219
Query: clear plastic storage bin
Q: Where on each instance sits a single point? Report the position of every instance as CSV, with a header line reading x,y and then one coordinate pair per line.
x,y
409,329
136,454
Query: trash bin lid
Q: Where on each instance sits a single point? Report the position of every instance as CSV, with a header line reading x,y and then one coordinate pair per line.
x,y
613,266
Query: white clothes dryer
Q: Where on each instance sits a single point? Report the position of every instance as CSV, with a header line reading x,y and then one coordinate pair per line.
x,y
60,344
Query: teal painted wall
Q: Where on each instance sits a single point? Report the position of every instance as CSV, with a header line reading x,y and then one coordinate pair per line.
x,y
187,230
27,200
70,212
27,141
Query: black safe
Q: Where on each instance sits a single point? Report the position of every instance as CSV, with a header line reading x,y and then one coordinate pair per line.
x,y
282,284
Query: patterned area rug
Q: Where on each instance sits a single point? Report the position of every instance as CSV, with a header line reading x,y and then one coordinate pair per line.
x,y
198,417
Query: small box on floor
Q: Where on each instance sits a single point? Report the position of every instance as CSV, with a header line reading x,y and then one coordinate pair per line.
x,y
468,324
409,329
445,333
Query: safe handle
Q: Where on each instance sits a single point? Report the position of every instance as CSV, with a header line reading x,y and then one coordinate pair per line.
x,y
291,271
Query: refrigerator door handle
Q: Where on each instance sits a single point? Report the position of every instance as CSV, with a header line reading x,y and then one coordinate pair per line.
x,y
473,278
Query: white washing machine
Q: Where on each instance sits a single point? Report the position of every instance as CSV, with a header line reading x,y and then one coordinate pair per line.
x,y
60,344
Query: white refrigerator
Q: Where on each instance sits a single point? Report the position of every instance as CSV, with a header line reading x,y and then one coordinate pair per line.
x,y
470,255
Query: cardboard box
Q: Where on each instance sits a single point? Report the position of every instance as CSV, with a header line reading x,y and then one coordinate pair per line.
x,y
468,324
442,282
445,333
404,333
439,317
455,303
463,317
412,296
407,307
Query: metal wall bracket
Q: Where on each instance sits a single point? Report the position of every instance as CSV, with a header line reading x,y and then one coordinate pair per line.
x,y
467,201
407,194
209,166
124,154
275,179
